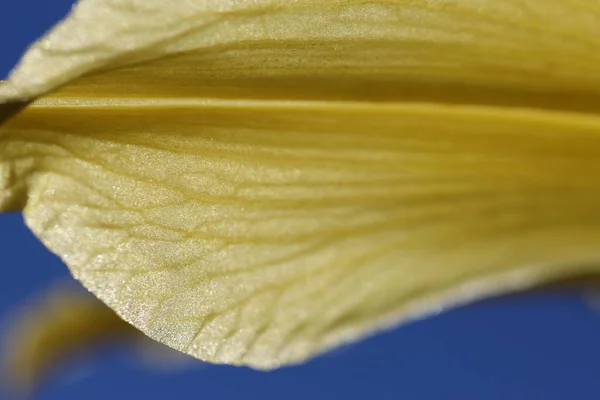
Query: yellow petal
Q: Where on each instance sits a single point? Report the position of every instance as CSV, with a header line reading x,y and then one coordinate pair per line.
x,y
263,234
296,175
465,51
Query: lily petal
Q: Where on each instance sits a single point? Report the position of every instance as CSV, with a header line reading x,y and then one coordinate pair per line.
x,y
257,182
507,52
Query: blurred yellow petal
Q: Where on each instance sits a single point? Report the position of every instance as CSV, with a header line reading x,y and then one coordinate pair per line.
x,y
60,324
257,182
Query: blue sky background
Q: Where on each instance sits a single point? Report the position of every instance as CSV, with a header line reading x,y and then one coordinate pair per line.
x,y
528,347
